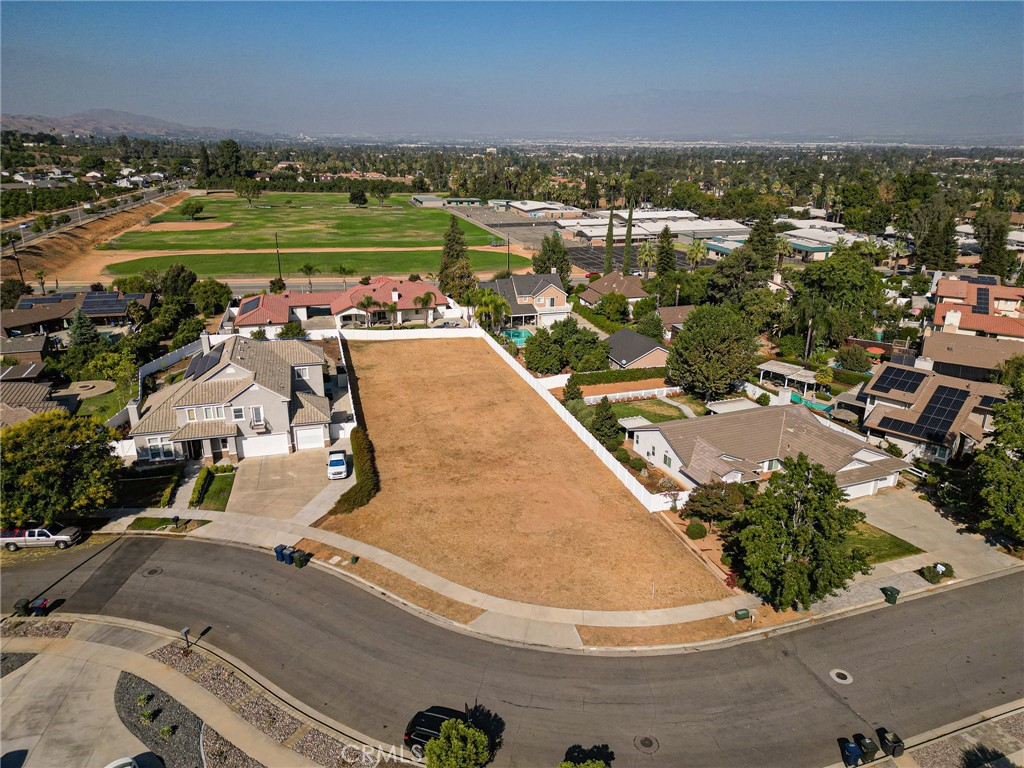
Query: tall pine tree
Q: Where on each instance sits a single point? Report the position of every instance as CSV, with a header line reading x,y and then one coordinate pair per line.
x,y
609,240
666,262
453,252
627,248
82,331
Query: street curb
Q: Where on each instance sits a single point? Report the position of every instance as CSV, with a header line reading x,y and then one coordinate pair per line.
x,y
638,650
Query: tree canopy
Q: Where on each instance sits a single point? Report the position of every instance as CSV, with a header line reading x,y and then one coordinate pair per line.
x,y
82,331
553,256
210,296
715,348
455,275
459,745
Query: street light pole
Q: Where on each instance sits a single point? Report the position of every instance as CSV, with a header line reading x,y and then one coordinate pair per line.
x,y
277,246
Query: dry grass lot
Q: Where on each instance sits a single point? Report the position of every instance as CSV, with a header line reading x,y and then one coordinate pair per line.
x,y
483,484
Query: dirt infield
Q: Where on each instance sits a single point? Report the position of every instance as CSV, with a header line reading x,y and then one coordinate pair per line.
x,y
186,226
483,484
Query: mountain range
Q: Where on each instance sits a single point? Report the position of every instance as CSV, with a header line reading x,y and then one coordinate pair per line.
x,y
110,123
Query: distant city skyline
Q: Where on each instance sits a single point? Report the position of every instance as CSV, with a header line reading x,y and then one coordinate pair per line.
x,y
731,71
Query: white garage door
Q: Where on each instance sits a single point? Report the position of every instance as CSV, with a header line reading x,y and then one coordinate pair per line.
x,y
265,445
859,490
311,437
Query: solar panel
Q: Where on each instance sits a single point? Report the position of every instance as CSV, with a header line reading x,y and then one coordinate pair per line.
x,y
200,364
249,305
989,400
935,420
135,296
903,379
983,280
982,305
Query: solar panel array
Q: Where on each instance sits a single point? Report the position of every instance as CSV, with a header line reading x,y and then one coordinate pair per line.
x,y
248,306
989,400
200,364
898,378
983,280
27,302
108,302
935,420
981,307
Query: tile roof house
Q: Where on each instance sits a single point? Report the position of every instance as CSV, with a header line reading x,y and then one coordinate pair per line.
x,y
629,286
978,306
975,358
673,317
340,308
538,299
629,349
928,415
21,400
32,348
239,398
747,446
42,314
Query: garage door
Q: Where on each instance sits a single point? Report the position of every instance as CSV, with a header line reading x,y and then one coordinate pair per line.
x,y
309,438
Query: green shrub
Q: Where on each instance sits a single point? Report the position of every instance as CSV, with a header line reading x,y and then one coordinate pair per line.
x,y
599,321
367,480
168,495
824,396
764,399
166,732
619,374
854,358
203,480
696,530
223,469
893,450
637,463
622,455
146,716
791,346
143,700
931,574
850,378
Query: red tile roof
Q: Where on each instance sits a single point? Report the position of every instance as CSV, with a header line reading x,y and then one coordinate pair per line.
x,y
971,321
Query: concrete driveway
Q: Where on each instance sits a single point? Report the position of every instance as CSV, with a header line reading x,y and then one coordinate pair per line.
x,y
279,486
903,514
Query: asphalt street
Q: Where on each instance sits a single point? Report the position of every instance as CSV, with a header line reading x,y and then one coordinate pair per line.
x,y
914,666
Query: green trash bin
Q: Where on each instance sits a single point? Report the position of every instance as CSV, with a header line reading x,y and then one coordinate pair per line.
x,y
298,558
21,608
891,594
742,613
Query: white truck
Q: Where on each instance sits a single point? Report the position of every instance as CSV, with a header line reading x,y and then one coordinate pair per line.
x,y
52,535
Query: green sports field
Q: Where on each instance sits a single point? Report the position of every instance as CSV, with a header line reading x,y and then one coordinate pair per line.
x,y
303,220
265,264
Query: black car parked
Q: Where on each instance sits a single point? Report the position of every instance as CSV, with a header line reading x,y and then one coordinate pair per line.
x,y
426,725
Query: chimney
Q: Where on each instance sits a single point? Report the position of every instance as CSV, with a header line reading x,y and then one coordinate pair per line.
x,y
952,322
133,412
554,271
394,295
205,338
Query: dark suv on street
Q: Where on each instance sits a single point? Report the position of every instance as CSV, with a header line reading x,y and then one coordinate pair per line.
x,y
426,725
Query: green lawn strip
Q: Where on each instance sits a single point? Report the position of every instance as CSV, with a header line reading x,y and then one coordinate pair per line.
x,y
101,406
156,523
265,264
304,221
879,545
217,495
654,411
140,492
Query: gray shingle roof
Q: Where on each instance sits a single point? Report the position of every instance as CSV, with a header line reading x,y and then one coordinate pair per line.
x,y
35,342
627,346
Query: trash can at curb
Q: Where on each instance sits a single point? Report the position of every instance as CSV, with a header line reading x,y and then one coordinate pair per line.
x,y
21,608
867,746
891,594
38,606
279,552
287,553
297,556
302,559
892,744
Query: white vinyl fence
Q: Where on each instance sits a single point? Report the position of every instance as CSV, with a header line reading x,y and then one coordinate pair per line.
x,y
636,394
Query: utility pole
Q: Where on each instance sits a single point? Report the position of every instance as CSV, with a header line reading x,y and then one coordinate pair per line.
x,y
277,246
508,255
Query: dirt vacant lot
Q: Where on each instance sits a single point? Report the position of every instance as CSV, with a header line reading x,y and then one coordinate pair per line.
x,y
483,484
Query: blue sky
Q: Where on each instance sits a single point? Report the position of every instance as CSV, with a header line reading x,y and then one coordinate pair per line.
x,y
725,70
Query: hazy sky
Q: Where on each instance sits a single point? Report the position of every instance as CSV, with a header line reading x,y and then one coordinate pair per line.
x,y
452,69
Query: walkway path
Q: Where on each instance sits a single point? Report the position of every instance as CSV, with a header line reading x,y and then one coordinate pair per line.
x,y
681,406
584,323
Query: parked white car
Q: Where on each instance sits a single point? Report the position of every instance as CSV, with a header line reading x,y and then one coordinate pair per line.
x,y
337,465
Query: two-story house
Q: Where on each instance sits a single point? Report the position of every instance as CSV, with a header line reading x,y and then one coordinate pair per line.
x,y
239,398
538,299
978,306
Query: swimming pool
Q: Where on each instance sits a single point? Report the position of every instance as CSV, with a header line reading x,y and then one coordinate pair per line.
x,y
518,335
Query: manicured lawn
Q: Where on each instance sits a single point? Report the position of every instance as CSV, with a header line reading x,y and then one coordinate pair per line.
x,y
265,264
695,403
217,495
149,523
653,410
101,406
879,545
140,492
303,221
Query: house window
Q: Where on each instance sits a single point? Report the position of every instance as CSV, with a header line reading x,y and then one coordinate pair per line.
x,y
211,412
667,460
190,414
257,414
238,414
160,447
636,438
551,302
302,373
772,465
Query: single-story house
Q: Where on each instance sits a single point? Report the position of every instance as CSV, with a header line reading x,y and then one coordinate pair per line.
x,y
240,398
629,286
535,299
975,358
52,312
748,446
21,400
928,415
673,317
33,348
629,349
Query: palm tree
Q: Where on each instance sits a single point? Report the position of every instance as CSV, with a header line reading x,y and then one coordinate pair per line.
x,y
899,249
391,309
1012,200
647,257
366,304
425,302
492,307
782,249
696,254
309,270
344,271
41,277
471,300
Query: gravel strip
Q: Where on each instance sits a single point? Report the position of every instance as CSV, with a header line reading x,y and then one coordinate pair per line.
x,y
330,752
12,661
269,718
222,753
181,750
173,655
222,683
35,628
1014,726
941,754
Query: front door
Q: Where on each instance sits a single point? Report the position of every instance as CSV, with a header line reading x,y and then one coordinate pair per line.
x,y
194,449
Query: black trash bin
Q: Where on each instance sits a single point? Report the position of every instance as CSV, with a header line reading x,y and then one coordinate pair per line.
x,y
297,556
38,606
287,554
21,608
302,559
279,552
867,746
891,594
892,744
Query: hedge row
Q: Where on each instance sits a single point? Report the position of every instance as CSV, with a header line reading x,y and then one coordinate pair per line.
x,y
850,378
168,495
619,374
602,322
203,480
367,480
